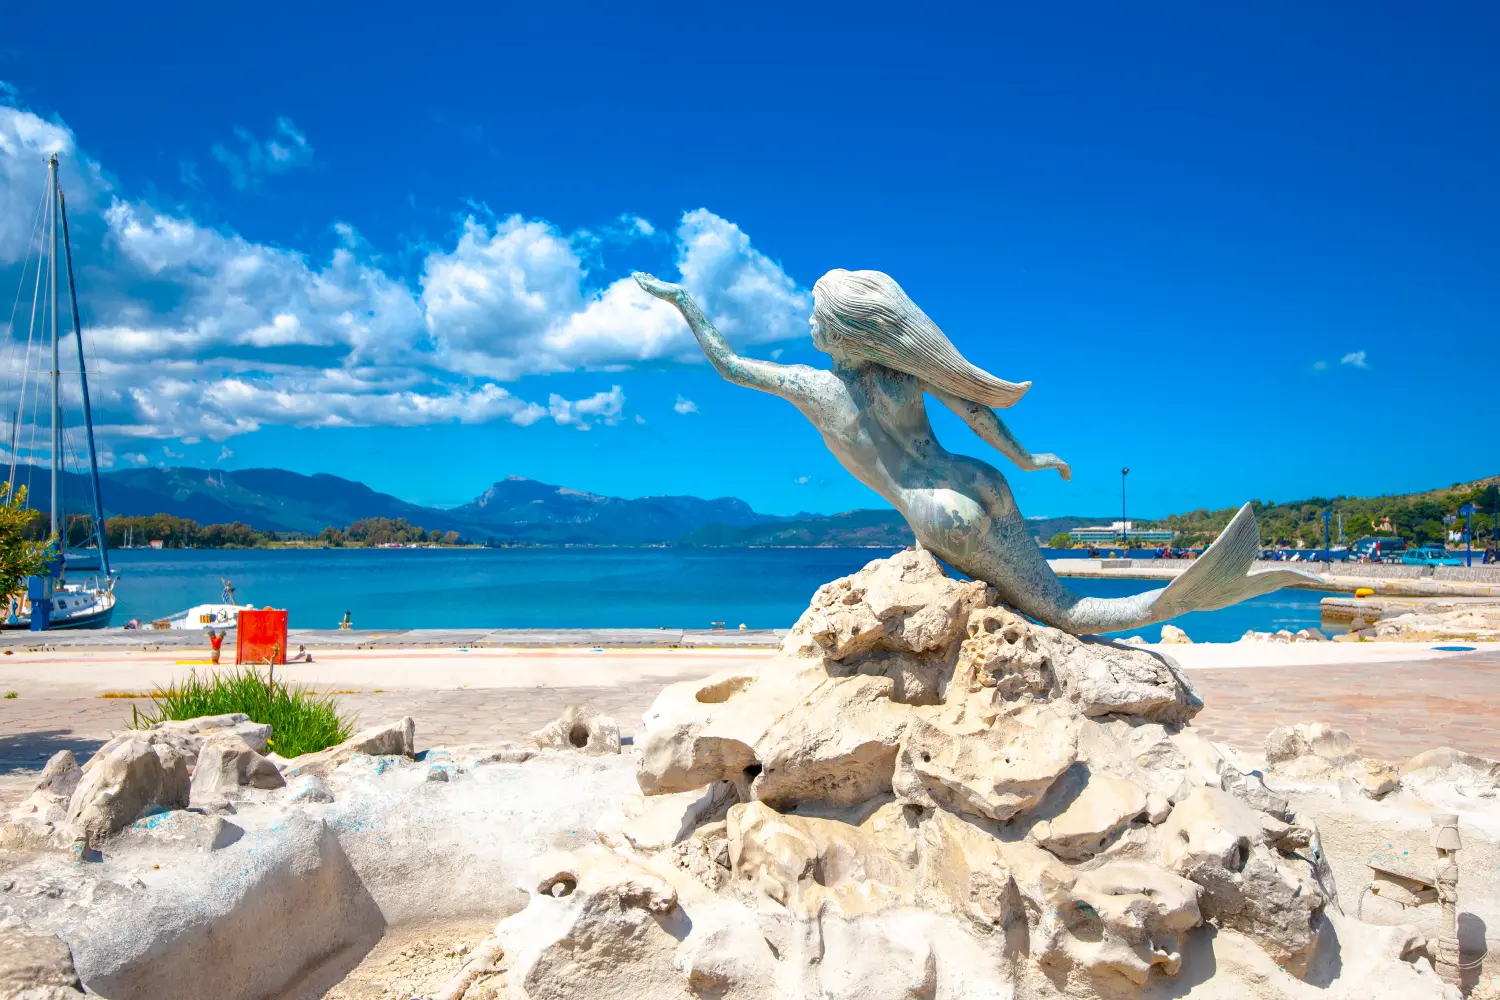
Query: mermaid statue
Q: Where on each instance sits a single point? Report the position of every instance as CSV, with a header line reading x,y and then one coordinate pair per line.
x,y
870,410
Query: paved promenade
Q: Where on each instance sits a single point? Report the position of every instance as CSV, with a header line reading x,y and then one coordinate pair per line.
x,y
1397,702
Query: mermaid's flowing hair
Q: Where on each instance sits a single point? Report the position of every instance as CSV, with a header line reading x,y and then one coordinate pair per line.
x,y
865,313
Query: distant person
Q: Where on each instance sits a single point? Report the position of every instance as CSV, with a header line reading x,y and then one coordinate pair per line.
x,y
215,643
347,623
301,656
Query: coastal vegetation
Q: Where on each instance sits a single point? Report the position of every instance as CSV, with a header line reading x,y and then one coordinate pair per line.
x,y
1417,518
180,532
386,531
21,555
301,719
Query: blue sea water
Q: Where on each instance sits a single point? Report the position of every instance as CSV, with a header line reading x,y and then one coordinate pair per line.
x,y
565,588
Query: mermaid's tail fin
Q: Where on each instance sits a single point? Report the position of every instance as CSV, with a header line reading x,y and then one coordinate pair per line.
x,y
1221,576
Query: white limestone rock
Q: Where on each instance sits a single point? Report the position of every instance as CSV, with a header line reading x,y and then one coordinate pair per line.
x,y
1451,771
1219,842
1090,821
579,729
907,735
1124,919
904,603
193,732
119,786
839,748
1171,635
390,740
994,771
308,788
1312,753
188,735
35,965
226,764
1311,745
599,926
179,830
49,798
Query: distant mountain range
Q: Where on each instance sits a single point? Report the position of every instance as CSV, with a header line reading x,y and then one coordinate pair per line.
x,y
512,511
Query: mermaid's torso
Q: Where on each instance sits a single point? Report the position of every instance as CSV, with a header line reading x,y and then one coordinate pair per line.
x,y
876,424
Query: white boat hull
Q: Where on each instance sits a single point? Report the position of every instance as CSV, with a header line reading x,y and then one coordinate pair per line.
x,y
74,608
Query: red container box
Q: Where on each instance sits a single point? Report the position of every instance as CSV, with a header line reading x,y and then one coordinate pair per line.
x,y
261,636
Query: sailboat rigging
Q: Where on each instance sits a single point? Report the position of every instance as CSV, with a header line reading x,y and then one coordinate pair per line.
x,y
51,601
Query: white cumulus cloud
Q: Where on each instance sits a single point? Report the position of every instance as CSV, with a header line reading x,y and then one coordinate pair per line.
x,y
685,406
600,408
1355,359
197,332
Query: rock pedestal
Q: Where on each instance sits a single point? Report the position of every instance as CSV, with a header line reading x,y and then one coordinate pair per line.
x,y
924,794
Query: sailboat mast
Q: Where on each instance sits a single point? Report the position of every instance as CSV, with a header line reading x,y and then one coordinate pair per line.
x,y
83,376
56,407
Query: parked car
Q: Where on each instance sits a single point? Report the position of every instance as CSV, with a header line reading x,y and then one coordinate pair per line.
x,y
1429,555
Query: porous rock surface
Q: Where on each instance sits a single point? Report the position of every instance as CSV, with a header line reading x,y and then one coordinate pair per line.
x,y
1314,753
926,795
579,728
280,895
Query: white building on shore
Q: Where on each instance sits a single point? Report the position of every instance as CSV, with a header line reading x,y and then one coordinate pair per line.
x,y
1101,534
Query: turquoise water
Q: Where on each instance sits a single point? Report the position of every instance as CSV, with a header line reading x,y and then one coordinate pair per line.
x,y
565,588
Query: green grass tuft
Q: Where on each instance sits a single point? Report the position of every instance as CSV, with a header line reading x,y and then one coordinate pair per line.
x,y
301,719
12,694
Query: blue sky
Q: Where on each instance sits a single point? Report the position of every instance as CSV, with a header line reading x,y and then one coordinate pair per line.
x,y
1248,251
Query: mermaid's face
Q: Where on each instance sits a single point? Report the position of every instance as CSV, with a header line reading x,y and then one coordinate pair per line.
x,y
820,338
817,333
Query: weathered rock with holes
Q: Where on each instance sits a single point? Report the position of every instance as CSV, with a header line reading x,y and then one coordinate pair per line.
x,y
1124,919
994,771
1219,842
915,747
579,729
599,925
1317,753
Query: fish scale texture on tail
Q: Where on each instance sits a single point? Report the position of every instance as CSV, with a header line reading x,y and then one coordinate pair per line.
x,y
1221,576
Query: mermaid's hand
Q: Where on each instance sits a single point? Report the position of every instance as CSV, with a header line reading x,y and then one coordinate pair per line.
x,y
663,290
1053,462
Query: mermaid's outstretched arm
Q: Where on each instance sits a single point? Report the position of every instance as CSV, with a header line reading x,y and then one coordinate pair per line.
x,y
793,382
986,423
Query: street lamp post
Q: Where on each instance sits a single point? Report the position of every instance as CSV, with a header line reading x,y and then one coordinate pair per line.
x,y
1327,518
1124,522
1467,510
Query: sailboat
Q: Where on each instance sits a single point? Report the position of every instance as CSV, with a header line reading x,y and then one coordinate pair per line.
x,y
51,601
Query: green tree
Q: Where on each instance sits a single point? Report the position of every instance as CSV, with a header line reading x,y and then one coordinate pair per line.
x,y
1061,540
20,556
